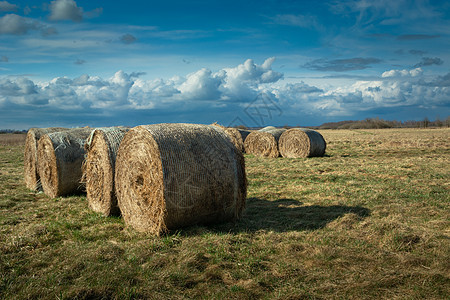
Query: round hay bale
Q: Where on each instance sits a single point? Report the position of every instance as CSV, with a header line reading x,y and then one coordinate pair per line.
x,y
301,142
31,174
99,167
60,159
234,135
174,175
263,144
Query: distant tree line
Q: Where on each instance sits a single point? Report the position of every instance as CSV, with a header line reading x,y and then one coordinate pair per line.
x,y
3,131
374,123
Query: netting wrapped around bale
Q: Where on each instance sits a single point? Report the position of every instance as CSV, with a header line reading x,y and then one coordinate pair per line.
x,y
263,143
234,135
99,167
174,175
31,174
60,159
302,142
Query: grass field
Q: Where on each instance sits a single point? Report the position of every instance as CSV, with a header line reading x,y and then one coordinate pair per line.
x,y
370,220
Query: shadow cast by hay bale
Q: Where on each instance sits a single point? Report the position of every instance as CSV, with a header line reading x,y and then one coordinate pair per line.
x,y
285,215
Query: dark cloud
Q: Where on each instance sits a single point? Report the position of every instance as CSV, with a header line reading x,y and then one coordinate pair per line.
x,y
79,61
429,61
17,25
417,52
341,65
128,39
413,37
6,6
137,74
440,81
4,58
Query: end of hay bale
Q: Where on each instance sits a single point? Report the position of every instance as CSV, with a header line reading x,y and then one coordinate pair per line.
x,y
263,143
31,173
99,167
48,167
301,142
60,159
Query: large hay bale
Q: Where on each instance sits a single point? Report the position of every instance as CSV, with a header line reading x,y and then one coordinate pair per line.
x,y
174,175
60,159
263,143
234,135
31,174
99,168
301,142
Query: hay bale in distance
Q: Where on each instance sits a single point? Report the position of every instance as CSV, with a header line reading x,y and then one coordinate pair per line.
x,y
234,135
267,128
99,167
31,174
175,175
302,142
60,159
263,143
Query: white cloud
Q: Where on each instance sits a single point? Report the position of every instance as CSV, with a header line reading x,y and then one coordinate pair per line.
x,y
402,73
61,10
229,87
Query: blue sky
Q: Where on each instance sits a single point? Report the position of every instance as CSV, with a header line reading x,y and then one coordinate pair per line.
x,y
104,63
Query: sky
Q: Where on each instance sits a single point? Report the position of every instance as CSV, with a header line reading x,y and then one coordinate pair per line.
x,y
253,63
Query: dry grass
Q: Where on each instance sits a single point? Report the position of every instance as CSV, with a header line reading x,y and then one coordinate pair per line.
x,y
367,221
12,139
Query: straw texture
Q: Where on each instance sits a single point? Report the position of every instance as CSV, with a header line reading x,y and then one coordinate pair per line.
x,y
234,136
99,167
263,143
302,142
31,174
60,159
174,175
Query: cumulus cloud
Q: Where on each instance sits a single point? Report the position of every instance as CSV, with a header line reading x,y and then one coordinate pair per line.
x,y
402,73
6,6
240,83
61,10
341,65
233,88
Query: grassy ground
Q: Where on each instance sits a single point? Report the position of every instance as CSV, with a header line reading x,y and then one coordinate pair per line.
x,y
368,221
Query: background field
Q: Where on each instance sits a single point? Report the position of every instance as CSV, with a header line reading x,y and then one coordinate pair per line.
x,y
368,221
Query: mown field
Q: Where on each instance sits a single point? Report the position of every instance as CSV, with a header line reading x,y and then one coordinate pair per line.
x,y
370,220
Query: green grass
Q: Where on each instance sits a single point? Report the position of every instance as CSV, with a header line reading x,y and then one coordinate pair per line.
x,y
370,220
